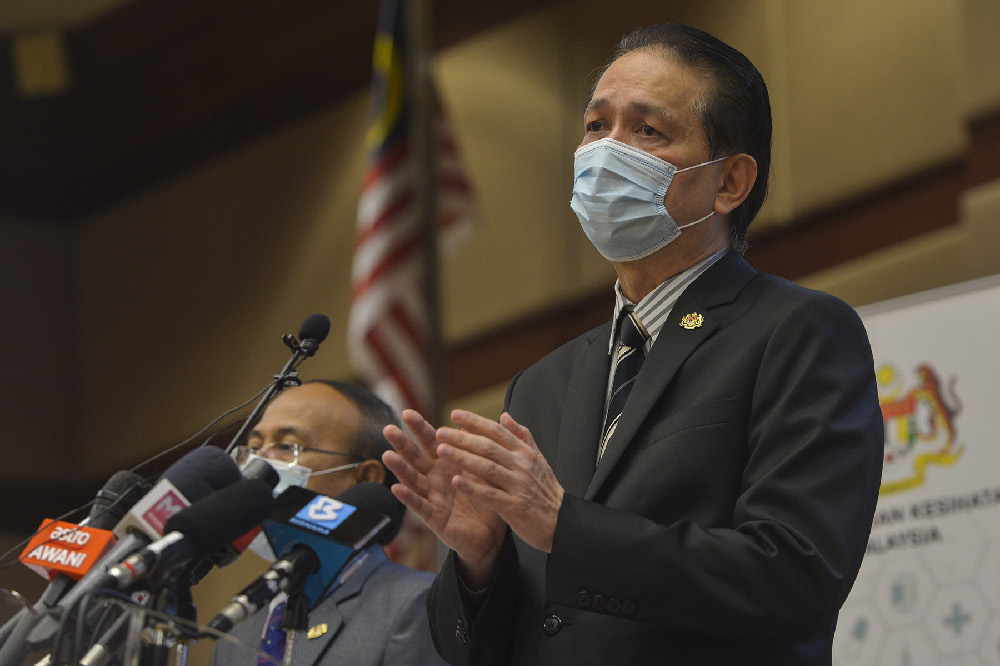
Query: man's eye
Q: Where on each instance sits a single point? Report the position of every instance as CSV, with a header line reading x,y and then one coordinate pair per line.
x,y
648,130
594,126
283,447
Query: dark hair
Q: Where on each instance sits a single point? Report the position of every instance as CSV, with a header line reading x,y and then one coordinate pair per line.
x,y
369,442
736,114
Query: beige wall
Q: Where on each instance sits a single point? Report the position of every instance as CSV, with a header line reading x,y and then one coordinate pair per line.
x,y
175,300
129,333
981,55
962,252
203,273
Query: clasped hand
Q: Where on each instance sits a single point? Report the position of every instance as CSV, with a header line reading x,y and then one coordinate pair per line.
x,y
467,483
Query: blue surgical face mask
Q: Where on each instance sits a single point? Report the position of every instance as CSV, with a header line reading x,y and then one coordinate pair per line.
x,y
296,474
618,195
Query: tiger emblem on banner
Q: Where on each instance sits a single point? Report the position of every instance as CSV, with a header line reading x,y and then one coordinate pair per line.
x,y
920,426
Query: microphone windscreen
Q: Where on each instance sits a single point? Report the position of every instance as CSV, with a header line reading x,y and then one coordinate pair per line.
x,y
376,497
202,471
258,468
119,494
216,519
315,327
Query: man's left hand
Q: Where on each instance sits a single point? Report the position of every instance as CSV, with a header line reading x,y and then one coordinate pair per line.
x,y
503,468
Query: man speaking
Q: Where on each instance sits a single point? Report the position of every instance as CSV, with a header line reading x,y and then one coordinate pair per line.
x,y
694,481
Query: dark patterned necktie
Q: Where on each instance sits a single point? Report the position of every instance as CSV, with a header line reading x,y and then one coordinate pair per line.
x,y
630,357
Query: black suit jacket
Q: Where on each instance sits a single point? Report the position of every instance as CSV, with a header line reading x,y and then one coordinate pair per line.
x,y
728,517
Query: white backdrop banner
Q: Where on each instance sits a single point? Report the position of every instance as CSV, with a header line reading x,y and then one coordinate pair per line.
x,y
929,589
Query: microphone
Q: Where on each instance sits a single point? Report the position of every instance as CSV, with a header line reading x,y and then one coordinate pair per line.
x,y
286,574
68,550
121,492
256,468
71,550
376,497
319,536
193,532
116,497
196,475
205,526
312,332
103,649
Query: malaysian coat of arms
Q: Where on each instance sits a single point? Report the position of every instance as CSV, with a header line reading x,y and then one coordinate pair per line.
x,y
920,426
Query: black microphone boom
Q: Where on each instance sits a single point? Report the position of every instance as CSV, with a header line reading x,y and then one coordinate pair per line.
x,y
312,332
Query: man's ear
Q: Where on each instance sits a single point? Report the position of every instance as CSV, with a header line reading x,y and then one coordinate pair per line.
x,y
738,176
371,470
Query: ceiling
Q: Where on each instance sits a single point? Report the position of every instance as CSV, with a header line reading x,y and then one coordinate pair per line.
x,y
155,86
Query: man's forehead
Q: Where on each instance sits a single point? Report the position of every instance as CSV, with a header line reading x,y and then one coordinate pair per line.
x,y
652,74
316,412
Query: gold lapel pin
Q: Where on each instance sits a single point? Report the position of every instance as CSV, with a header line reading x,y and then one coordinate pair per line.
x,y
317,631
691,321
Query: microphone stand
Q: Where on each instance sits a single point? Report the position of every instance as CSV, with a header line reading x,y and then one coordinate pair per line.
x,y
288,377
13,636
171,597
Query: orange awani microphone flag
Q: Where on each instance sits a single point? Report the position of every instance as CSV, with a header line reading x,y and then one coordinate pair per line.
x,y
414,195
59,547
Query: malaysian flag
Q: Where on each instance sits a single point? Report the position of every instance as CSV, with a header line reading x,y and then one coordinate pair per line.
x,y
414,194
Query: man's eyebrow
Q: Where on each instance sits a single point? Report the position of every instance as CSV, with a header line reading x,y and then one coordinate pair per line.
x,y
638,107
282,431
650,109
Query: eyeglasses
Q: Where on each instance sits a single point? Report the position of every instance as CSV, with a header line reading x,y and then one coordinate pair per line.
x,y
287,452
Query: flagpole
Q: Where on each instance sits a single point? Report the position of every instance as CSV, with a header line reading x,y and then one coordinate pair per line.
x,y
418,32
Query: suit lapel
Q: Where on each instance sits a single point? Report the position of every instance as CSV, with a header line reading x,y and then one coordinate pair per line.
x,y
311,650
717,286
583,414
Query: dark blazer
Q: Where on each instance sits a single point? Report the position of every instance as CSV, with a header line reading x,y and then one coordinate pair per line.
x,y
376,617
726,521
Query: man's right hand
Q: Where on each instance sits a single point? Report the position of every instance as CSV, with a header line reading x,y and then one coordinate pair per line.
x,y
475,533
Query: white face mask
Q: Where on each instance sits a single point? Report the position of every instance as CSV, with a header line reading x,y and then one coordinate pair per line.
x,y
296,474
618,196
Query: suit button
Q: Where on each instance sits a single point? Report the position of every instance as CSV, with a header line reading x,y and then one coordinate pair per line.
x,y
552,625
597,603
613,605
628,608
583,599
461,635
